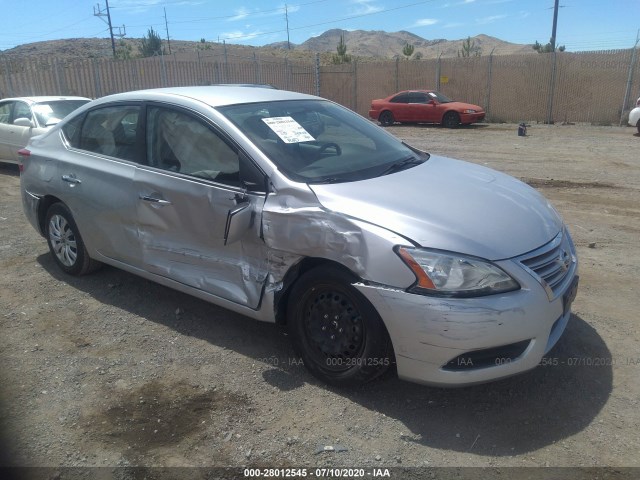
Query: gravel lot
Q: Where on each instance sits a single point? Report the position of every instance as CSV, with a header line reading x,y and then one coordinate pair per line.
x,y
113,370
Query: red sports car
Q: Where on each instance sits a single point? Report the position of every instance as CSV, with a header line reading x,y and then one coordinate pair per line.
x,y
424,106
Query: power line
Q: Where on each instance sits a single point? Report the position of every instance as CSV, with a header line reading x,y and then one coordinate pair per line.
x,y
52,31
336,20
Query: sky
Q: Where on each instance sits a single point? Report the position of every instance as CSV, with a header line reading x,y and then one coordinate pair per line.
x,y
582,24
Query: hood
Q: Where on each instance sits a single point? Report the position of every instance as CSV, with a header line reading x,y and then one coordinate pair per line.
x,y
461,106
450,205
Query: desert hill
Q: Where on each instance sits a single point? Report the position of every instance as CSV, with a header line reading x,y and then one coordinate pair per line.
x,y
365,45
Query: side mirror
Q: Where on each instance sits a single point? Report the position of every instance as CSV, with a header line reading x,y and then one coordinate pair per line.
x,y
432,102
238,223
23,122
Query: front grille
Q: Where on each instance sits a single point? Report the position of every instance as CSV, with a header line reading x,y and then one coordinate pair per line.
x,y
553,264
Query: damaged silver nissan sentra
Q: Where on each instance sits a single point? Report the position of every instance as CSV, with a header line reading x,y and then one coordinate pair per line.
x,y
289,208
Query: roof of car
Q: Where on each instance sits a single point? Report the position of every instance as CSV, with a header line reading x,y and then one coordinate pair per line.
x,y
214,95
44,98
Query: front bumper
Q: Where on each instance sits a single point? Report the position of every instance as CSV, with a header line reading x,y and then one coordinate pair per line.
x,y
466,118
438,341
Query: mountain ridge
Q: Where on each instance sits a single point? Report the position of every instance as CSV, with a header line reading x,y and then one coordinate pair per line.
x,y
365,45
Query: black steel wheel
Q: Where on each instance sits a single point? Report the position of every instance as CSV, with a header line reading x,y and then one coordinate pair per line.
x,y
386,118
65,243
337,332
451,120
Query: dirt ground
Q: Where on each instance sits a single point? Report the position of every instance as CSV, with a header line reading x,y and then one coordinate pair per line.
x,y
113,370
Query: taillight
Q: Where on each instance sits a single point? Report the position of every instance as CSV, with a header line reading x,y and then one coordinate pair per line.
x,y
24,154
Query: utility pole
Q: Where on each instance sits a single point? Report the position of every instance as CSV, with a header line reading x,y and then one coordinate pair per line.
x,y
286,17
555,25
122,32
98,12
166,25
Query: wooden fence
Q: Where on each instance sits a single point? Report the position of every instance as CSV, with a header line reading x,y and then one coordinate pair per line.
x,y
595,87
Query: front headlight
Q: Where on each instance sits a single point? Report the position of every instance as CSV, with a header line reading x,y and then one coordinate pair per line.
x,y
469,110
452,275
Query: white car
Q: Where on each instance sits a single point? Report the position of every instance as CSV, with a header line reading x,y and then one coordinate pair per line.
x,y
634,116
25,117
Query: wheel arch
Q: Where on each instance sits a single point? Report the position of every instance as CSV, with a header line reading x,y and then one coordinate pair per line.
x,y
281,298
448,112
43,207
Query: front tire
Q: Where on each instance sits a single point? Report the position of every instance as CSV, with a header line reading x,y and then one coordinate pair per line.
x,y
65,243
337,332
451,120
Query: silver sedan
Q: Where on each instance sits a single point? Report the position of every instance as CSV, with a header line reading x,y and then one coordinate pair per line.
x,y
289,208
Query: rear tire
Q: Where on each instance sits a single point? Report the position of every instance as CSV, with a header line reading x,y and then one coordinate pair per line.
x,y
386,118
451,120
337,332
638,126
65,243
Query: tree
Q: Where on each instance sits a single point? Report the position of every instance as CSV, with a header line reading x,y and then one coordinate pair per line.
x,y
151,44
548,48
469,49
342,56
408,49
124,50
204,45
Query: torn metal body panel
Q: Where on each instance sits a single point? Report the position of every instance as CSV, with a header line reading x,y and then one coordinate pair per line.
x,y
310,230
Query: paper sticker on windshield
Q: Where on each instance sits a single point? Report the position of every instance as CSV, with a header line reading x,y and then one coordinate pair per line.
x,y
288,129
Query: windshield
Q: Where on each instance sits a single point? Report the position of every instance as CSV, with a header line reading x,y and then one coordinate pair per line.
x,y
316,141
440,97
47,112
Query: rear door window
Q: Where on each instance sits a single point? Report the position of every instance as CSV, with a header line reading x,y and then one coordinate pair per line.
x,y
402,98
111,131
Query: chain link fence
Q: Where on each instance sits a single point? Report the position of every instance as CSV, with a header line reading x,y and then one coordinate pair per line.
x,y
594,87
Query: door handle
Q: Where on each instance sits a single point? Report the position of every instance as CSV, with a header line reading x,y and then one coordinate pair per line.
x,y
71,178
157,201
